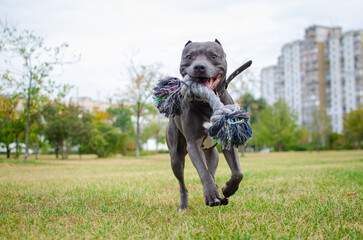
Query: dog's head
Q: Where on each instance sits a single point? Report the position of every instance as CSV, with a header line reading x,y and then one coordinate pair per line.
x,y
205,62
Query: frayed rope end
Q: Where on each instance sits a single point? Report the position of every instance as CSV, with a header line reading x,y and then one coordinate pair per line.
x,y
231,129
167,96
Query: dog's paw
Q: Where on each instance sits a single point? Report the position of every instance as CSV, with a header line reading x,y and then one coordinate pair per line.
x,y
213,198
182,208
229,190
224,201
232,185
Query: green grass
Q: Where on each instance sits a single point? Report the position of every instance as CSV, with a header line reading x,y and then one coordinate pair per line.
x,y
282,196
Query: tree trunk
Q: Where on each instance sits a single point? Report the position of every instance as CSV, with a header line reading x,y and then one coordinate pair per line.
x,y
27,117
8,152
157,142
62,149
17,147
56,151
280,146
37,149
323,143
138,131
65,151
36,155
68,151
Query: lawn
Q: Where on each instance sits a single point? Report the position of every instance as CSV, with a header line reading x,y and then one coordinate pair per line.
x,y
283,195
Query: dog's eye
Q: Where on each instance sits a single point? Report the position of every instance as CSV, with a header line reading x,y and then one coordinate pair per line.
x,y
189,56
214,56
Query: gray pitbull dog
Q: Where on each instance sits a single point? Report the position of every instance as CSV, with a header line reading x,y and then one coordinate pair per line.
x,y
206,63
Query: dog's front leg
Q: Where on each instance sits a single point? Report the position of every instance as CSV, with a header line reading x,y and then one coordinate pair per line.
x,y
211,193
233,183
232,160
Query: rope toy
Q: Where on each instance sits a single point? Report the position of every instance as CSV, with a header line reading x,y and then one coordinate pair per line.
x,y
168,97
229,123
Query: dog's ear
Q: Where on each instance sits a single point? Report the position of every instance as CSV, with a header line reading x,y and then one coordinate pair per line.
x,y
216,40
189,42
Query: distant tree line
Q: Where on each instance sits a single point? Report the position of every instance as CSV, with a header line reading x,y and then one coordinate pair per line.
x,y
275,127
66,128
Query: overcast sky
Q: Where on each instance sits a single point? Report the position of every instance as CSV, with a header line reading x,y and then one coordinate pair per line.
x,y
107,33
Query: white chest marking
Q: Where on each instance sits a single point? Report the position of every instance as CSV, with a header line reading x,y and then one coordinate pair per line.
x,y
208,143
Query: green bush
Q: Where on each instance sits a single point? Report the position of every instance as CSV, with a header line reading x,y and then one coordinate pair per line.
x,y
300,147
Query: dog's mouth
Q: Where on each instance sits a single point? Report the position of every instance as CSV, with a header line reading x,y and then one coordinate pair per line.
x,y
211,83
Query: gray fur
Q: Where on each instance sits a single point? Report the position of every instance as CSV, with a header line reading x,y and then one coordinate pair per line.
x,y
186,134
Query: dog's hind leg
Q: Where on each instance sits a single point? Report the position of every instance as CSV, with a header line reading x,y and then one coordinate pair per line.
x,y
178,150
177,164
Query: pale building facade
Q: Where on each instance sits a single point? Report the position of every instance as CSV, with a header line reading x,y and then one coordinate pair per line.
x,y
323,71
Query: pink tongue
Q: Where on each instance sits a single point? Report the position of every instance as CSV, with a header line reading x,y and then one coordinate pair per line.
x,y
206,83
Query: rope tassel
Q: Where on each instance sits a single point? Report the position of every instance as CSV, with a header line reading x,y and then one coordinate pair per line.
x,y
168,97
230,125
230,128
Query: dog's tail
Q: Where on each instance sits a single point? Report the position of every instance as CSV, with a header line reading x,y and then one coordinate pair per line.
x,y
226,81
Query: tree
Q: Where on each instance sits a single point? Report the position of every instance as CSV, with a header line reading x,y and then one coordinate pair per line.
x,y
83,132
106,140
7,136
139,90
320,128
252,105
156,130
66,127
121,118
33,63
8,100
353,127
36,138
12,132
8,115
276,126
336,141
18,127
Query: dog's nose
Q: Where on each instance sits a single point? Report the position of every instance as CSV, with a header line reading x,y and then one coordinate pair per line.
x,y
199,68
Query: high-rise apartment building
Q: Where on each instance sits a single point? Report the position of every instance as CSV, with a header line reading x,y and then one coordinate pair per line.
x,y
292,83
334,78
323,71
268,89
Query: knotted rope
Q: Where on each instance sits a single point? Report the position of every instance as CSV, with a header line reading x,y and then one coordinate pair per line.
x,y
229,122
